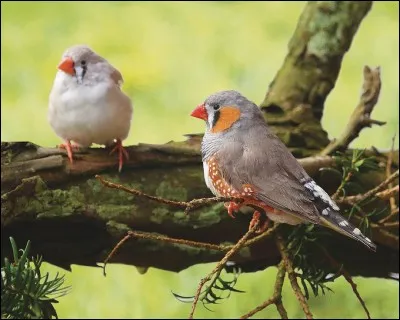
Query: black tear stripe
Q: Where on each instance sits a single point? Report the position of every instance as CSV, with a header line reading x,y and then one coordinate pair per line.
x,y
84,67
216,118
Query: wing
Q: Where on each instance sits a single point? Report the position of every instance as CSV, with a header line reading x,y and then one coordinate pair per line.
x,y
263,161
117,77
260,159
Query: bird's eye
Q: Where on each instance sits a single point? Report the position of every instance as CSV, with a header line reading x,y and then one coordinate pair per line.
x,y
216,107
83,62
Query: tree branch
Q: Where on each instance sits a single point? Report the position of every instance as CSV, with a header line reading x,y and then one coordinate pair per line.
x,y
221,264
292,277
72,218
374,191
361,116
348,278
295,99
276,297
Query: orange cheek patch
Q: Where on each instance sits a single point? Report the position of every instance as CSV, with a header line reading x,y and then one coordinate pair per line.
x,y
227,117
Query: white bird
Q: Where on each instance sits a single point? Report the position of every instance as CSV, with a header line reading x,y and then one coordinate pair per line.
x,y
86,104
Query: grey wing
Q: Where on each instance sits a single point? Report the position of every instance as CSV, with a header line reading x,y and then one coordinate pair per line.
x,y
266,164
281,182
116,76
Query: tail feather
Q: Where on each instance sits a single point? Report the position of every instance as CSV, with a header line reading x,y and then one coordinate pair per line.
x,y
329,214
335,221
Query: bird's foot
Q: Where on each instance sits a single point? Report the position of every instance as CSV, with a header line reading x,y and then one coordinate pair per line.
x,y
232,207
69,147
256,220
121,153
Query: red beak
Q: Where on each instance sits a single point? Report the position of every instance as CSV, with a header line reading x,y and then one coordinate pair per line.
x,y
67,65
200,112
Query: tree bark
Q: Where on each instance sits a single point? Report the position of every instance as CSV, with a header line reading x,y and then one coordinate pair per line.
x,y
295,99
71,218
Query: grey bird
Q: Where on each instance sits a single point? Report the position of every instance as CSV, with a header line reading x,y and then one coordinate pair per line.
x,y
243,158
86,104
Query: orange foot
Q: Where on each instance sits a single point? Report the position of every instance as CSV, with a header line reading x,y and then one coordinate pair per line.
x,y
121,153
69,147
255,220
232,207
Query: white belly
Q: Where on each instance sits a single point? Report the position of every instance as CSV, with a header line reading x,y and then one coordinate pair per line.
x,y
208,180
90,114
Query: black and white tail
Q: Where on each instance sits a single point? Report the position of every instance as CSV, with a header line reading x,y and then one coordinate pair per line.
x,y
330,215
334,220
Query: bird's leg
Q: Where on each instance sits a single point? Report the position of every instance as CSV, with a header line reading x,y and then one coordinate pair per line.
x,y
256,219
121,153
232,207
69,147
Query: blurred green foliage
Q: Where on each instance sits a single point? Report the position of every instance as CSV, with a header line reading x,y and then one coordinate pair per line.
x,y
172,55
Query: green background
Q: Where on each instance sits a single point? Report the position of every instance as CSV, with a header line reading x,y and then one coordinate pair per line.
x,y
172,56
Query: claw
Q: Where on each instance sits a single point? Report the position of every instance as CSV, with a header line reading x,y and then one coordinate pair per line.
x,y
232,207
255,220
121,153
68,146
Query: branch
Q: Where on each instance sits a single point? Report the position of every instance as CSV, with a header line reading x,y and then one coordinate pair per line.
x,y
292,277
392,200
276,297
361,116
295,99
348,278
388,194
373,192
57,206
221,264
393,214
188,206
195,244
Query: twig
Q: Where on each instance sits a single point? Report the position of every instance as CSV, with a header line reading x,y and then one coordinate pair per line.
x,y
221,264
387,225
292,277
388,172
370,193
261,236
149,236
360,117
348,278
196,244
394,210
276,297
390,216
188,206
336,194
111,254
388,194
390,238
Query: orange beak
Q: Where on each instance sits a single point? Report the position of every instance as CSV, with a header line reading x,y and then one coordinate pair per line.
x,y
200,112
67,65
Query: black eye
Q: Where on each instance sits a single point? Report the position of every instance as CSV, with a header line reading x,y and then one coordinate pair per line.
x,y
216,107
83,62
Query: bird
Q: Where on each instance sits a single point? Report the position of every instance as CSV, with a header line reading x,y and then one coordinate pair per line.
x,y
87,105
242,158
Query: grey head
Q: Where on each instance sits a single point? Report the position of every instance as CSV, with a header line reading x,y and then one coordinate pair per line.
x,y
228,110
229,116
83,63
